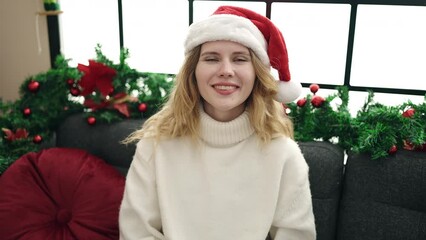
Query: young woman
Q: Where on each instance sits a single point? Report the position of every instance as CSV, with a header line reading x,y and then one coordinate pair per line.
x,y
218,161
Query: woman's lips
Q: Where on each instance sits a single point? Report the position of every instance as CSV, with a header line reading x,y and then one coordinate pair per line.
x,y
225,89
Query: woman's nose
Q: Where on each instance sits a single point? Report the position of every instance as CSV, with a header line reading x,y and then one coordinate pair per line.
x,y
226,69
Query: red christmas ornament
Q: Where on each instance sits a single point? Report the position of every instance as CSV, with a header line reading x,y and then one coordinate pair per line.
x,y
26,112
70,82
75,91
37,139
301,102
314,88
142,107
91,120
317,101
393,149
409,113
33,86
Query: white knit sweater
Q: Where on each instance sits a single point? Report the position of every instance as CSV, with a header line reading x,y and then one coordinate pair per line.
x,y
227,187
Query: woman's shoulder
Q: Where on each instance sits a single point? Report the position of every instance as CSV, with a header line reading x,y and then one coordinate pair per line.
x,y
286,146
284,142
288,151
145,148
145,142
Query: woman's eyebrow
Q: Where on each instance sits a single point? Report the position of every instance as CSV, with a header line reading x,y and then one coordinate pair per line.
x,y
234,53
209,53
241,53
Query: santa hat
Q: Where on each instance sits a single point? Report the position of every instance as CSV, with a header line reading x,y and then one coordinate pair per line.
x,y
253,31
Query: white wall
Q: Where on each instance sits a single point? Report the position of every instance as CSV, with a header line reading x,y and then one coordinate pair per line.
x,y
19,48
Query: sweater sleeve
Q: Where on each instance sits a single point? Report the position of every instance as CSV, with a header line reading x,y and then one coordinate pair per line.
x,y
294,217
139,217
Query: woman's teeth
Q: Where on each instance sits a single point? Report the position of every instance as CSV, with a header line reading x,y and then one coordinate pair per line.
x,y
221,87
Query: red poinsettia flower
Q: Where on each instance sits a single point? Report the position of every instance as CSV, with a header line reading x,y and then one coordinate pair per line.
x,y
96,76
18,134
410,146
118,102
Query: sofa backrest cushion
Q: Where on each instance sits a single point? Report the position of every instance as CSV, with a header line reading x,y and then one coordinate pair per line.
x,y
102,140
384,199
60,193
326,167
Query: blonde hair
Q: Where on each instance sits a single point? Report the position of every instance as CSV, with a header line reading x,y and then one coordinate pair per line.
x,y
180,114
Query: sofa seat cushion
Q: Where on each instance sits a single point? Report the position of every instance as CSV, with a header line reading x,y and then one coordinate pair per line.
x,y
60,193
384,199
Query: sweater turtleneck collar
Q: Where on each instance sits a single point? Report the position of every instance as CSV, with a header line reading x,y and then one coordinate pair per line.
x,y
221,134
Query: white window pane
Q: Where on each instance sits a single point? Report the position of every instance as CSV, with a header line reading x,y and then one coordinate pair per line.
x,y
154,32
203,9
86,23
316,36
390,47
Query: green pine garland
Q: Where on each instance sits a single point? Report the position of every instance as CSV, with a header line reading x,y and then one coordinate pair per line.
x,y
46,99
46,104
377,129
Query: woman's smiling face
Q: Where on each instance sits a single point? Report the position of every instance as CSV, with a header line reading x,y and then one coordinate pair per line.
x,y
225,78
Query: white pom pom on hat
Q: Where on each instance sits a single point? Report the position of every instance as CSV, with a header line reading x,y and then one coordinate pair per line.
x,y
254,31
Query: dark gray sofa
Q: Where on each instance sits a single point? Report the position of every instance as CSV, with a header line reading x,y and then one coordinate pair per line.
x,y
356,199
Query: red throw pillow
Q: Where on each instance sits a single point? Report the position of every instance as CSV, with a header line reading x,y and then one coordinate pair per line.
x,y
60,193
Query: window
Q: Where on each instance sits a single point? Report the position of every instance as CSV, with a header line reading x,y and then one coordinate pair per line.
x,y
332,43
203,9
86,23
316,36
389,47
154,32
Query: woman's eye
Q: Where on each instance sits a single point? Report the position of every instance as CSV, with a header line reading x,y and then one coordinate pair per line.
x,y
210,59
241,60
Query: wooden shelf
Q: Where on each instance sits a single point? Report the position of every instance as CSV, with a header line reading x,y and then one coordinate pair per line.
x,y
50,13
